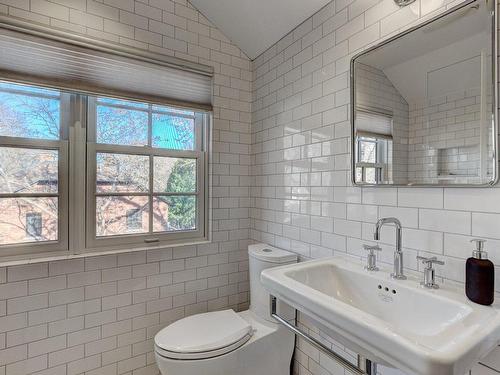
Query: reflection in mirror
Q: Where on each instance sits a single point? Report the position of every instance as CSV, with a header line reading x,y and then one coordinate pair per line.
x,y
424,105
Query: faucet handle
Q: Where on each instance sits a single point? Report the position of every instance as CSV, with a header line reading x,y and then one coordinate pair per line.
x,y
371,261
372,248
429,272
430,261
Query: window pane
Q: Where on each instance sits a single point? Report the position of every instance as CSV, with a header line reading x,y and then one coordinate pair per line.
x,y
174,175
368,151
24,170
28,115
370,175
28,220
174,213
122,173
114,213
121,126
176,133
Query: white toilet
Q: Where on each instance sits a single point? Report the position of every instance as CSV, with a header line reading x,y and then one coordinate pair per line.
x,y
230,343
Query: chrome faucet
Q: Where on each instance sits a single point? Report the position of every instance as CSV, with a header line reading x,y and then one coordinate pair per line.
x,y
398,254
371,259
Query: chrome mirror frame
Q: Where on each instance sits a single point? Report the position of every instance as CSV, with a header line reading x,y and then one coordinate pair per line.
x,y
494,42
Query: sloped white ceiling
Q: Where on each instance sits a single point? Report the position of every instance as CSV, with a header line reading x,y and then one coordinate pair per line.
x,y
255,25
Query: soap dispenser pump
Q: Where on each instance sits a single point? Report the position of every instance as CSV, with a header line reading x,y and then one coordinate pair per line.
x,y
479,276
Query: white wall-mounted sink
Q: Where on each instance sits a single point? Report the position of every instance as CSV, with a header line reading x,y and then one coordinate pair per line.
x,y
395,322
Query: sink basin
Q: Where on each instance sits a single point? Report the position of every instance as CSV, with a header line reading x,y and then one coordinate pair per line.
x,y
395,322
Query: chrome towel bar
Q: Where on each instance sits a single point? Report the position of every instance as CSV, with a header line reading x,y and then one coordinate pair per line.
x,y
364,367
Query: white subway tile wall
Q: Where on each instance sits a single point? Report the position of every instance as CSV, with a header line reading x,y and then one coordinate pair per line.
x,y
99,315
302,197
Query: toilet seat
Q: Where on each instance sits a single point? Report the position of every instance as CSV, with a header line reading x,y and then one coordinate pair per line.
x,y
203,336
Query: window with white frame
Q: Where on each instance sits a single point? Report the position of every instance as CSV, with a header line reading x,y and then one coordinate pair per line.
x,y
371,159
102,147
33,159
373,145
126,173
147,158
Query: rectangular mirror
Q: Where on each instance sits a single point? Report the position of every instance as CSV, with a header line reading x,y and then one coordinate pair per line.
x,y
424,103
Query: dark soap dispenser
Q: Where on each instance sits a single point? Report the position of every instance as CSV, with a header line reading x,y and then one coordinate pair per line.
x,y
479,276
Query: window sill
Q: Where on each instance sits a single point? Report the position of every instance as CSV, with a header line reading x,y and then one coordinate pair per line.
x,y
65,255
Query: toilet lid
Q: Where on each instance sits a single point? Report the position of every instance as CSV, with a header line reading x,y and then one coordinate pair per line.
x,y
203,335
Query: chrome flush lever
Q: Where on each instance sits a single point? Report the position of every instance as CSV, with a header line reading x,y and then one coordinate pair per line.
x,y
429,272
371,260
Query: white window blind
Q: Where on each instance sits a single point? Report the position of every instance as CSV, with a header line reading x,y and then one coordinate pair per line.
x,y
61,64
373,124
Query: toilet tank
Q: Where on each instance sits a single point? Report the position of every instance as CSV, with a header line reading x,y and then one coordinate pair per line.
x,y
262,256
